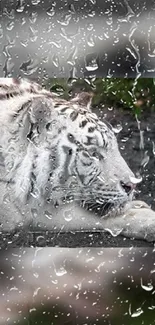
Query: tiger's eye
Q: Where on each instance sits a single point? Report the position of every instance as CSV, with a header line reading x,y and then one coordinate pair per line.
x,y
71,138
85,154
96,155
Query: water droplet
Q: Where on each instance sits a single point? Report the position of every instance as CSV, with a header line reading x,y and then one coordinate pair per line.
x,y
1,31
29,67
90,41
99,266
141,144
92,14
34,213
10,15
90,27
33,34
41,240
23,21
36,275
10,25
135,180
51,11
32,309
8,67
20,6
151,307
92,65
35,2
68,215
93,1
65,36
72,56
55,60
24,42
145,159
14,289
45,59
33,17
130,13
153,148
115,232
117,129
149,287
48,215
56,44
65,20
36,291
138,122
71,8
6,198
109,21
137,313
61,271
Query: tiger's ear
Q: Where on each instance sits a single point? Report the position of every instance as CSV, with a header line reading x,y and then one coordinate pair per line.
x,y
83,100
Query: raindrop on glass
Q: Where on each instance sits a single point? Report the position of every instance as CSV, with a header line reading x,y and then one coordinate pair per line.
x,y
35,2
68,215
137,313
10,25
148,287
115,232
92,65
34,213
51,11
48,215
6,198
61,271
55,61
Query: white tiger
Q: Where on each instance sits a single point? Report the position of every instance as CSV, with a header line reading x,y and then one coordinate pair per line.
x,y
56,152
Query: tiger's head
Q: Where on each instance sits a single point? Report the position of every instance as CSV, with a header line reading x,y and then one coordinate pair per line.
x,y
58,151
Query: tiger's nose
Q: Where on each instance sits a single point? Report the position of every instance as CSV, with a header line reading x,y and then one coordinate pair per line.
x,y
128,187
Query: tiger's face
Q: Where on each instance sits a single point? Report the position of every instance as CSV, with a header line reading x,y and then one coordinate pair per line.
x,y
90,169
58,151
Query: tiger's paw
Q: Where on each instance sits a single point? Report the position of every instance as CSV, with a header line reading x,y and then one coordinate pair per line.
x,y
136,204
137,221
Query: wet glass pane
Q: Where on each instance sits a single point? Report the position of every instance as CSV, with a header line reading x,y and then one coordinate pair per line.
x,y
57,151
65,46
62,38
81,286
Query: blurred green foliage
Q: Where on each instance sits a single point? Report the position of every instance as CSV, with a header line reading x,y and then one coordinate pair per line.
x,y
134,307
133,94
